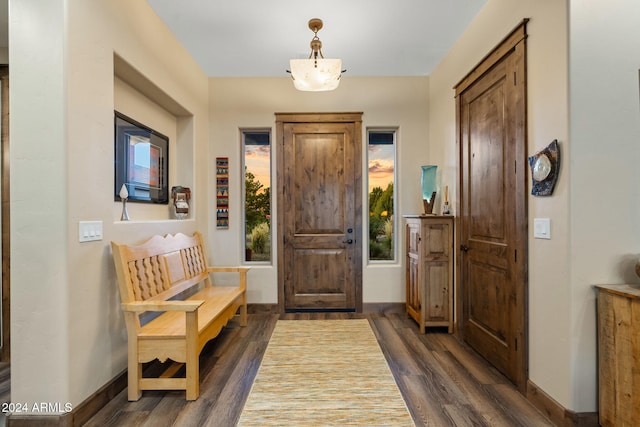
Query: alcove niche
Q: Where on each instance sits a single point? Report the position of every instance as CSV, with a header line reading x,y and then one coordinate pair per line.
x,y
136,96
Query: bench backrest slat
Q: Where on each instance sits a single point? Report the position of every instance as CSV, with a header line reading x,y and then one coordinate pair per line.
x,y
161,267
147,279
194,258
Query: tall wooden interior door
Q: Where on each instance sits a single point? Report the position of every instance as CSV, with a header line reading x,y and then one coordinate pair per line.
x,y
319,212
491,112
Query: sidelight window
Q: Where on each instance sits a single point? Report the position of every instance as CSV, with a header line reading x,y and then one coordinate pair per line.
x,y
381,157
256,150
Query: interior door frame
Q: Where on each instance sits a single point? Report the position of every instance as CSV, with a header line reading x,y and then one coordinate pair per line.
x,y
346,117
508,45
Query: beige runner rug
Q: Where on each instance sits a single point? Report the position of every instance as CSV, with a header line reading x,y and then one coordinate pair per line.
x,y
324,372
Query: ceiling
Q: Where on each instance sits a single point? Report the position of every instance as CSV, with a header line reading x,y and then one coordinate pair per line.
x,y
256,38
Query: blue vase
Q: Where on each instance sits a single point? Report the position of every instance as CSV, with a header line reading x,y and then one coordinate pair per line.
x,y
428,187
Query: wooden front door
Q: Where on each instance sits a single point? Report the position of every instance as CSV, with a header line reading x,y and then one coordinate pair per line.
x,y
319,212
493,219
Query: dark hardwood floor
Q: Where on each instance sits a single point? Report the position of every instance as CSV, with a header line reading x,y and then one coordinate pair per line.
x,y
443,381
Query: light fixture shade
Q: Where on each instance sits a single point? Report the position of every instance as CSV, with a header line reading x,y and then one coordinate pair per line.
x,y
309,77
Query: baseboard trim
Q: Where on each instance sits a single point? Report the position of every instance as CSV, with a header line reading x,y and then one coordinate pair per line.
x,y
80,414
384,307
557,413
371,307
98,400
545,403
52,420
263,309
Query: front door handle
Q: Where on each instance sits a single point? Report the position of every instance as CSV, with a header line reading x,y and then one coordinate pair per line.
x,y
464,248
348,241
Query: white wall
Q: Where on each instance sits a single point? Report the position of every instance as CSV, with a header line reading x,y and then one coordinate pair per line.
x,y
244,102
39,272
67,330
605,196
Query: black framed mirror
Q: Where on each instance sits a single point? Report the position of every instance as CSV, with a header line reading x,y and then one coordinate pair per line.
x,y
141,162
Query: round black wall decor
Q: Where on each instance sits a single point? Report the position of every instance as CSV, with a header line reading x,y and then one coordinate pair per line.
x,y
545,166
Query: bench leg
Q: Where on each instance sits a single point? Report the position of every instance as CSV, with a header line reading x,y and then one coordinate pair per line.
x,y
192,363
243,310
134,375
193,381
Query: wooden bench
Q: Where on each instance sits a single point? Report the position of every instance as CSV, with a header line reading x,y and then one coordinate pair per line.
x,y
150,276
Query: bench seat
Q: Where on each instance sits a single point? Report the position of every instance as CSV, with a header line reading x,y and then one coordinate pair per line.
x,y
171,324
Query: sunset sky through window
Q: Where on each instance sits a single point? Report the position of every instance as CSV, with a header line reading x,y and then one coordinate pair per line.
x,y
381,164
256,159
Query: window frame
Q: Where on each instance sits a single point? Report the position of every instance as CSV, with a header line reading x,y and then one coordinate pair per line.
x,y
243,241
393,130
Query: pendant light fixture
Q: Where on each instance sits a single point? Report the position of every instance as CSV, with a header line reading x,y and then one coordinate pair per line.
x,y
316,73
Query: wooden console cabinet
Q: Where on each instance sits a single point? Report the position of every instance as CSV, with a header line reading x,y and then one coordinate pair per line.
x,y
429,270
619,355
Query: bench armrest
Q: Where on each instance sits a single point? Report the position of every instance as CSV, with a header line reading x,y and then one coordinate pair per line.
x,y
141,306
228,269
241,270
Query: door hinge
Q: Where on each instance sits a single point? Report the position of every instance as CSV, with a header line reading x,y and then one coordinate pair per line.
x,y
515,256
515,82
516,343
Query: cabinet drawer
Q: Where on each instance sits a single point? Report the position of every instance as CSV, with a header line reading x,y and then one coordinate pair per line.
x,y
437,241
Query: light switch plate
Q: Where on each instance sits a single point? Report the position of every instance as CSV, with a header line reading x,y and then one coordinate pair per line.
x,y
542,228
89,231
